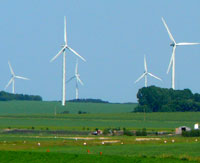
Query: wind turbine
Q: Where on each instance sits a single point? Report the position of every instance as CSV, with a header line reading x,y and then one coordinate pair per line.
x,y
13,77
144,75
172,60
78,80
63,50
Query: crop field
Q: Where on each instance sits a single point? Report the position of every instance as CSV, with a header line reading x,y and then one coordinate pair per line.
x,y
38,107
62,136
153,121
124,149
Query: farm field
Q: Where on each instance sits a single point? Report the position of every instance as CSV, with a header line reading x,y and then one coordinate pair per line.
x,y
70,149
153,121
44,107
16,118
16,157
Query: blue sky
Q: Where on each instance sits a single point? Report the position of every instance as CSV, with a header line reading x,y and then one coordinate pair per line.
x,y
112,35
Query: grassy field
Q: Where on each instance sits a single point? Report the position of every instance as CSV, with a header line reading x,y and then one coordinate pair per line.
x,y
25,157
153,121
26,149
40,116
42,107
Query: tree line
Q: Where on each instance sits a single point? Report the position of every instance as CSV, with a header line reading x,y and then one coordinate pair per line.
x,y
156,99
5,96
88,100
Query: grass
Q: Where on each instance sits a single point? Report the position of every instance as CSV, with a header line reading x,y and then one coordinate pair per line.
x,y
154,121
27,114
40,115
43,107
16,157
66,150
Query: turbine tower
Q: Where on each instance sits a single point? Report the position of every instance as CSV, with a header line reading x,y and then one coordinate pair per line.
x,y
78,80
174,45
13,77
63,50
144,75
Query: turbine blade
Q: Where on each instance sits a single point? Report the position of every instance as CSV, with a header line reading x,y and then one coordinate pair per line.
x,y
76,53
70,79
10,81
171,60
20,77
65,30
140,77
187,43
145,64
80,81
11,70
154,76
58,54
76,69
169,33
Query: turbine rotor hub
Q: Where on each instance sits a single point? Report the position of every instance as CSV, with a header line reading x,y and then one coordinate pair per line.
x,y
172,44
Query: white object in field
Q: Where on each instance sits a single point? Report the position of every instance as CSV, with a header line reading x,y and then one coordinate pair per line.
x,y
84,143
63,50
102,142
38,144
13,77
165,141
172,60
196,126
173,140
78,80
146,73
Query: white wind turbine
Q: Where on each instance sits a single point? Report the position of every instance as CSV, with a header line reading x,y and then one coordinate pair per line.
x,y
13,77
63,50
172,60
78,80
146,73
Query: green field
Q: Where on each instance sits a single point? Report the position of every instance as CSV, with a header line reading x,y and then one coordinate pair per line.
x,y
25,157
51,148
27,114
153,121
63,147
39,107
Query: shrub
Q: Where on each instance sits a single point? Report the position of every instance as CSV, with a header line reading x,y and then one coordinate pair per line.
x,y
128,132
107,131
141,133
65,112
117,129
82,112
192,133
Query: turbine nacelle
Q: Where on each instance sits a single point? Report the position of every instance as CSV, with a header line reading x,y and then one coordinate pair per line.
x,y
145,73
172,44
77,75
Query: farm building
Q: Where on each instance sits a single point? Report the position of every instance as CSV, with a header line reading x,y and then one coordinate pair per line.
x,y
196,126
181,129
